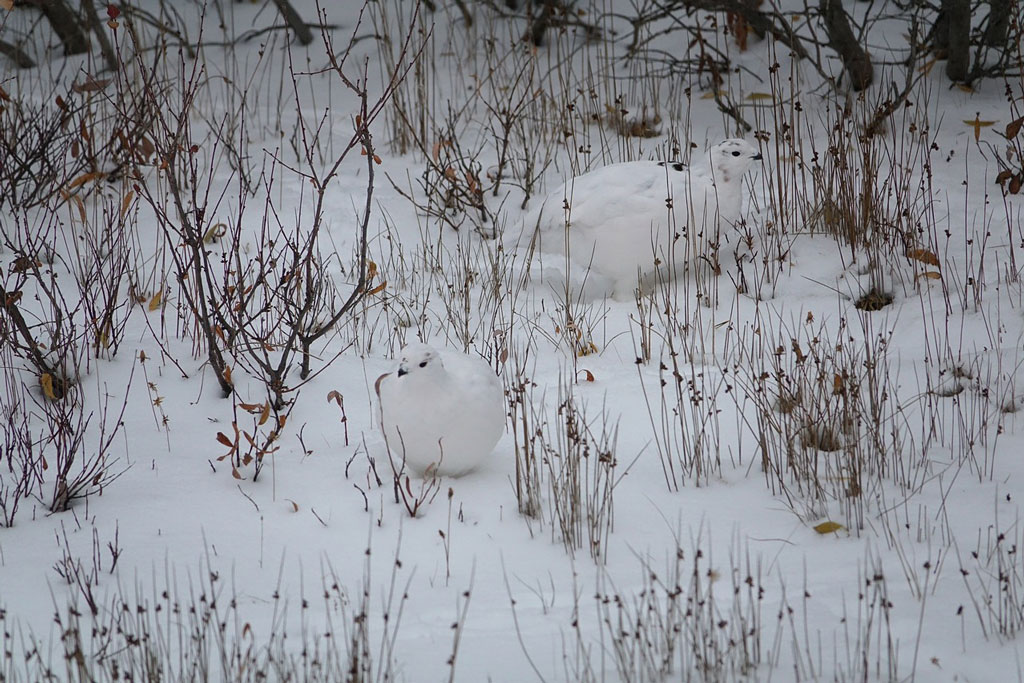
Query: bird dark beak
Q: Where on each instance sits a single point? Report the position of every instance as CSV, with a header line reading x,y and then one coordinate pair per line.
x,y
757,157
402,371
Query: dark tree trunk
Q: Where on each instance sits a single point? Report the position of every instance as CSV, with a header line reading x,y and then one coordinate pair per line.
x,y
842,39
998,28
541,22
958,21
294,21
16,54
66,24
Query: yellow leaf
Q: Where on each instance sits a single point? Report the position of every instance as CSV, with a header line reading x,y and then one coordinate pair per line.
x,y
46,381
977,124
924,256
154,303
711,94
216,231
828,527
931,275
760,96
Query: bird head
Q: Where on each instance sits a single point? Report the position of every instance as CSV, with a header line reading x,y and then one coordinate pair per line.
x,y
731,158
419,358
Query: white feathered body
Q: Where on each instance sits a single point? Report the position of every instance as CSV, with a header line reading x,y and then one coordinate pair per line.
x,y
443,418
625,221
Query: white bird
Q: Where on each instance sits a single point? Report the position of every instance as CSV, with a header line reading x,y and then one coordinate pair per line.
x,y
442,412
626,221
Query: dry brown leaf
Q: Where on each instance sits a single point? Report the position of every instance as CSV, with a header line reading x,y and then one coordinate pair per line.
x,y
1015,184
264,414
234,473
924,256
146,147
1013,128
828,527
154,303
84,178
126,203
227,375
760,96
24,264
91,84
7,4
295,506
378,289
81,207
588,376
931,275
223,438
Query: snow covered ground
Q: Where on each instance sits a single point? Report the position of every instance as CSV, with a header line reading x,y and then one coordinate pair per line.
x,y
746,473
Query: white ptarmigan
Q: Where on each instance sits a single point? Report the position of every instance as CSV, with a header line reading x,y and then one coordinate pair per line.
x,y
443,412
625,221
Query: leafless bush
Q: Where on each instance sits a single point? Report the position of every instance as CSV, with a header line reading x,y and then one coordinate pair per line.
x,y
683,621
682,407
994,578
827,417
573,457
520,389
21,462
201,632
83,460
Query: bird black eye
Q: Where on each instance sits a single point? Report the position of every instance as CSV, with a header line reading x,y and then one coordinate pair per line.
x,y
423,364
735,154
